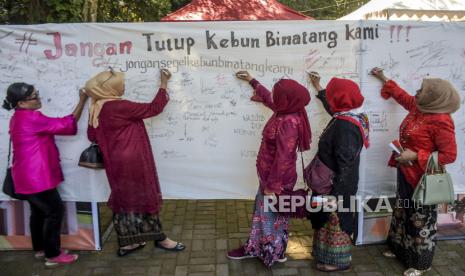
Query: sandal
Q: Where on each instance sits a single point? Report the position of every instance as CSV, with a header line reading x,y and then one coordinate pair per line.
x,y
123,252
415,272
178,247
389,254
325,268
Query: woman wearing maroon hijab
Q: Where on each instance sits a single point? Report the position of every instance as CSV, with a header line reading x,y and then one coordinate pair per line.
x,y
287,131
339,149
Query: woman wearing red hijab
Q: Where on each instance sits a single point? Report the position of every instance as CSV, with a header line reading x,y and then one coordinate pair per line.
x,y
339,149
287,131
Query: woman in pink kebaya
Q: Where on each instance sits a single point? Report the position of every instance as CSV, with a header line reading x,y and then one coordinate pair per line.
x,y
285,133
36,167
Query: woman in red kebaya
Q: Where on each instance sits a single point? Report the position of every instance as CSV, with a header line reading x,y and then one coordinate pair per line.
x,y
287,131
428,127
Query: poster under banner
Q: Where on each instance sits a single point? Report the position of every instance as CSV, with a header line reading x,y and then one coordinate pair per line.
x,y
80,229
450,223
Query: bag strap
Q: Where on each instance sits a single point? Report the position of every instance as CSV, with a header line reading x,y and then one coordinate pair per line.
x,y
435,160
303,166
429,164
9,154
433,163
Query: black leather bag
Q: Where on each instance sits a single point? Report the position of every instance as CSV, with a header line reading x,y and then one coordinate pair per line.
x,y
92,157
8,184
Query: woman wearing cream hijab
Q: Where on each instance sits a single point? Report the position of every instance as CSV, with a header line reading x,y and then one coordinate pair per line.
x,y
428,127
117,126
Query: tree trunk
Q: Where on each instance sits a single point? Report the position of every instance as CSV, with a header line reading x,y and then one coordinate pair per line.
x,y
89,11
93,10
85,9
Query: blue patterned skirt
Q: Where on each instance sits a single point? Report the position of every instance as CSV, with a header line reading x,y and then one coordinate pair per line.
x,y
268,235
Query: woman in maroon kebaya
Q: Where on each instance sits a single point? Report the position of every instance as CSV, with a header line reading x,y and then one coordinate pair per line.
x,y
117,126
428,127
287,131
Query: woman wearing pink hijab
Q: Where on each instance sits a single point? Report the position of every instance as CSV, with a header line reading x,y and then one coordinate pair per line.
x,y
287,131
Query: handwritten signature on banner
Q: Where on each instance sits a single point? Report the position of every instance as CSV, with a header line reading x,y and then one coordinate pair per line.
x,y
209,109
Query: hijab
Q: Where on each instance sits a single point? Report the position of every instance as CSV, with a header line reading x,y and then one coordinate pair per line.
x,y
342,96
437,96
291,97
103,87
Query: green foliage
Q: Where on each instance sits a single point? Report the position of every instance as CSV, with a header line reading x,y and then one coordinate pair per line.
x,y
133,11
61,11
64,11
39,11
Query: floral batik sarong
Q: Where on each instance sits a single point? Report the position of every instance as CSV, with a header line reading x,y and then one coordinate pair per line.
x,y
412,236
134,228
269,234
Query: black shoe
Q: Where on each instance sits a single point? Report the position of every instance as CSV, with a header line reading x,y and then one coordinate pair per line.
x,y
123,252
179,247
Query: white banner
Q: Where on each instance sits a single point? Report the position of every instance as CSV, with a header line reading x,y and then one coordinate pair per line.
x,y
206,141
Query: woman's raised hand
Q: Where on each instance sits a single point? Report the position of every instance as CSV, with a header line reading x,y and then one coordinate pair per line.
x,y
379,74
165,75
244,75
315,80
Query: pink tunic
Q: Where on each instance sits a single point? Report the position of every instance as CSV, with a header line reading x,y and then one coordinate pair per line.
x,y
36,161
127,154
276,160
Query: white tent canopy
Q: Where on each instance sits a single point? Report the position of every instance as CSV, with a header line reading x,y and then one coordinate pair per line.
x,y
419,10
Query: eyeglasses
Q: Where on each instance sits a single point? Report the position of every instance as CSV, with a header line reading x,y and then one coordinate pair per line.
x,y
36,97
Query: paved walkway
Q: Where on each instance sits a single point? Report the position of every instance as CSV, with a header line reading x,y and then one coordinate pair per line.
x,y
209,229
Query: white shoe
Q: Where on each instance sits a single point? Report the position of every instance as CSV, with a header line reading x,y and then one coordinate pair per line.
x,y
282,260
39,255
389,254
415,272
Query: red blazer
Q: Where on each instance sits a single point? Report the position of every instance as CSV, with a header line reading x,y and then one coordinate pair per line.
x,y
422,133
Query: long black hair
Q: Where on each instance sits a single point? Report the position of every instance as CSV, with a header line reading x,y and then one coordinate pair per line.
x,y
15,93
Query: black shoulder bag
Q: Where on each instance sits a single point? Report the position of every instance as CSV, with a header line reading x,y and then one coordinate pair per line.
x,y
8,185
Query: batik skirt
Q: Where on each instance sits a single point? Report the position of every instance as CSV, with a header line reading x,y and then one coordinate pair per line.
x,y
134,228
412,235
268,235
331,245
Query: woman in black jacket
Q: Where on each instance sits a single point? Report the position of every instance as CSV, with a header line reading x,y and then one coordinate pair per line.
x,y
339,149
